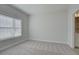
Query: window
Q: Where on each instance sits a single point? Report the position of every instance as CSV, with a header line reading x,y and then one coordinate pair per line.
x,y
9,27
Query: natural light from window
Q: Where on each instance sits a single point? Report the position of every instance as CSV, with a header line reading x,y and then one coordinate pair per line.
x,y
9,27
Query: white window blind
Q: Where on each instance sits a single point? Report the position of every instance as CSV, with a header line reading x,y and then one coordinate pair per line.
x,y
9,27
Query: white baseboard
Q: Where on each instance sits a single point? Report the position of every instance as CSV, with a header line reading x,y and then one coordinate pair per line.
x,y
49,41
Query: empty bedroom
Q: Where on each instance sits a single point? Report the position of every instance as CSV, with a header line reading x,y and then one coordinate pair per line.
x,y
38,29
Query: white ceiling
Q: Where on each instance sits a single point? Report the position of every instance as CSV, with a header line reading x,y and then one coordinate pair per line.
x,y
42,8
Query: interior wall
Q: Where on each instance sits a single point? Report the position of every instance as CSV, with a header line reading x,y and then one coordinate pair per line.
x,y
15,13
49,27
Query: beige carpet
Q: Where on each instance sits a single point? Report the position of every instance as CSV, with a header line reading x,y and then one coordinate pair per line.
x,y
39,48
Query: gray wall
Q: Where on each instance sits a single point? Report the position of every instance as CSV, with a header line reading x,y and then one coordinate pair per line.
x,y
16,13
49,27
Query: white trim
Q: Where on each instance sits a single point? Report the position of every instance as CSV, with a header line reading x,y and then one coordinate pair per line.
x,y
72,45
49,41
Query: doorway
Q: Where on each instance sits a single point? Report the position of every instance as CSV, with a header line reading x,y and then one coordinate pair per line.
x,y
76,41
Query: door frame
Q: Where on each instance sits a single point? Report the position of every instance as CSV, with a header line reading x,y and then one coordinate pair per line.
x,y
73,28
